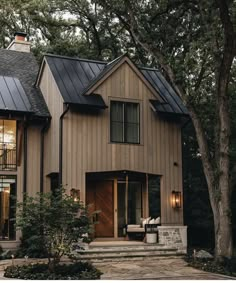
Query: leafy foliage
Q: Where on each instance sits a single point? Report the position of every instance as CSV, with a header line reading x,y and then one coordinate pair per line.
x,y
52,222
76,271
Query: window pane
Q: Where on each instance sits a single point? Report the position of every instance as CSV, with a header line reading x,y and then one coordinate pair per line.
x,y
132,133
154,196
9,131
1,131
116,111
134,203
117,132
132,112
7,207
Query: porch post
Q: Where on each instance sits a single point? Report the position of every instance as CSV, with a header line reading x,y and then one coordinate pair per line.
x,y
147,201
126,197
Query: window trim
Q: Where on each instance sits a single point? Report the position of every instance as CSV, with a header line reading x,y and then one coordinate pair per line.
x,y
124,138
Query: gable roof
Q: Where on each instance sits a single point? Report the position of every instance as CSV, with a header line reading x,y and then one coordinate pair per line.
x,y
13,96
22,66
77,77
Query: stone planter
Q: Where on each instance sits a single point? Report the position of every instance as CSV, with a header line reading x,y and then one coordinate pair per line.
x,y
151,238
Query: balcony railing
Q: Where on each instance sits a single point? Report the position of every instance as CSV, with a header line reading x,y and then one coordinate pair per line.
x,y
8,156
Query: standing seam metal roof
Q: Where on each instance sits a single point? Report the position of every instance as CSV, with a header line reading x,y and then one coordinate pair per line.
x,y
13,96
75,76
23,67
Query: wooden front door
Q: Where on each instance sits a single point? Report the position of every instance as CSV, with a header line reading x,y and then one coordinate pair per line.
x,y
99,195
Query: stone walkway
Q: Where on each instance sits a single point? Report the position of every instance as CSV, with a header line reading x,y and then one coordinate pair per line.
x,y
146,269
151,269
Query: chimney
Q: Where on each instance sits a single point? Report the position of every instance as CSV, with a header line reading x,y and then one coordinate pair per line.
x,y
20,43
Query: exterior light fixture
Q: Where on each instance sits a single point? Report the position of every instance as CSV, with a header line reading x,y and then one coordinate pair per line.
x,y
75,194
176,199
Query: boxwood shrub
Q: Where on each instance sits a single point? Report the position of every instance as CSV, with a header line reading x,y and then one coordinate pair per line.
x,y
75,271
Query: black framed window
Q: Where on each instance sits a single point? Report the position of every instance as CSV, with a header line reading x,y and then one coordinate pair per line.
x,y
125,122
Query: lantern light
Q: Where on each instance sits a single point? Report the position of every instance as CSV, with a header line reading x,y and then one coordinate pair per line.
x,y
75,194
176,199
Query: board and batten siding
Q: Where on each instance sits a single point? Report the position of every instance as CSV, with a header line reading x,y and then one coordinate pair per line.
x,y
33,160
54,102
87,146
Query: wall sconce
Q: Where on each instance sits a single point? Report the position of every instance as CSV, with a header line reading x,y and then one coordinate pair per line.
x,y
75,194
176,199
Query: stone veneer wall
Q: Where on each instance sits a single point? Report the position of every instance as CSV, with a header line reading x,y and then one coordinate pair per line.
x,y
173,237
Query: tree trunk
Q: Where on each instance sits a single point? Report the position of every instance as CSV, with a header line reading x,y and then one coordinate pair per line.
x,y
223,234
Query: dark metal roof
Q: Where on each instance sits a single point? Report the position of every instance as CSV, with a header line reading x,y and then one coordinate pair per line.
x,y
173,104
12,95
75,76
24,67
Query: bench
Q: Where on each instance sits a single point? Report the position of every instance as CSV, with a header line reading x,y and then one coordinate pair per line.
x,y
134,231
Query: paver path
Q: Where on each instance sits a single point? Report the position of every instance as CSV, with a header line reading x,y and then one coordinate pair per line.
x,y
146,269
151,269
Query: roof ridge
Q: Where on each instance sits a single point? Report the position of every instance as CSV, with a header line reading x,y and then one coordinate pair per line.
x,y
76,58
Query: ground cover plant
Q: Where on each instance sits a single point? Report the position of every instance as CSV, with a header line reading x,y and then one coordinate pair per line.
x,y
227,267
75,271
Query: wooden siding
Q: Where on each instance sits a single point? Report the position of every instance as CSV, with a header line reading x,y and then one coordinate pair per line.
x,y
54,102
87,146
33,161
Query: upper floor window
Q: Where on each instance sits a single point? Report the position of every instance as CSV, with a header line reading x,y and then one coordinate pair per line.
x,y
7,145
125,122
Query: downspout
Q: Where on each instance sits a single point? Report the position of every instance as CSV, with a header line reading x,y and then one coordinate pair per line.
x,y
25,160
43,130
61,143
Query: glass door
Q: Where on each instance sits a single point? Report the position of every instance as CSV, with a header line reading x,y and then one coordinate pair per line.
x,y
121,208
129,204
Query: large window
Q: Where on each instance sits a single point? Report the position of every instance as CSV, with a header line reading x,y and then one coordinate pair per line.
x,y
7,207
7,145
125,122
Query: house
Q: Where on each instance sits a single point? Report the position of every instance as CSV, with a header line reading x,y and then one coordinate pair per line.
x,y
110,132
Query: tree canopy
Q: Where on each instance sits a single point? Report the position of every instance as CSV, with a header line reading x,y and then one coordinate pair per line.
x,y
192,41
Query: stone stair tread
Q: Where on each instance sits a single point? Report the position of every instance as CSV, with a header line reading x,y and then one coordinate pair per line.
x,y
119,250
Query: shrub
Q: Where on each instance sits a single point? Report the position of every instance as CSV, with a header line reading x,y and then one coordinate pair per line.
x,y
51,224
76,271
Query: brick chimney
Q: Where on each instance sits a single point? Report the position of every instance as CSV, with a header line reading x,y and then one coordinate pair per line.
x,y
20,43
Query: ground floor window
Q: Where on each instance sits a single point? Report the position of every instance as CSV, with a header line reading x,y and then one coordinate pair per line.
x,y
154,196
7,207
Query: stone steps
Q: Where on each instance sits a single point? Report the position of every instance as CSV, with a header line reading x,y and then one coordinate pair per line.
x,y
114,252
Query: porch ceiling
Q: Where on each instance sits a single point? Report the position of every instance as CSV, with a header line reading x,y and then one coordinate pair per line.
x,y
120,175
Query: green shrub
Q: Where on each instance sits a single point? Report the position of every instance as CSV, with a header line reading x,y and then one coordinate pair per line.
x,y
51,224
75,271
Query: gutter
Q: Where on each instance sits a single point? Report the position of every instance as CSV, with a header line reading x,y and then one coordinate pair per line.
x,y
42,134
61,143
25,160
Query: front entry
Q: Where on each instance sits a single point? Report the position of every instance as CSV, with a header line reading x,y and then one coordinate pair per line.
x,y
100,197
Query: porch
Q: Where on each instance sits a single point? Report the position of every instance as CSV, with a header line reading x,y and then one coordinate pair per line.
x,y
120,198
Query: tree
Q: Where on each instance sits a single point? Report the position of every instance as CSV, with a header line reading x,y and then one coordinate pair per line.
x,y
55,221
194,43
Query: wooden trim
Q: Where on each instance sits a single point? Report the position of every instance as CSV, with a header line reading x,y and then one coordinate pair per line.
x,y
115,208
19,143
39,75
134,68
